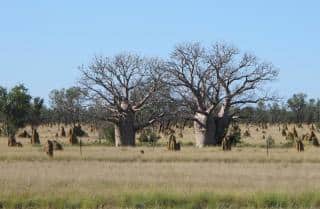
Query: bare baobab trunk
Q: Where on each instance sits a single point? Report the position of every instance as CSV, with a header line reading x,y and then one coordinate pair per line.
x,y
204,128
205,131
124,134
125,131
200,134
210,130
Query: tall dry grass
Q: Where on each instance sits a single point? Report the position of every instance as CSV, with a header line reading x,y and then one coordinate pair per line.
x,y
123,177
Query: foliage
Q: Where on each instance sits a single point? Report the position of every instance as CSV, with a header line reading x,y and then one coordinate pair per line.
x,y
78,131
148,135
35,112
107,132
297,104
235,132
14,108
318,125
297,109
67,105
172,200
270,141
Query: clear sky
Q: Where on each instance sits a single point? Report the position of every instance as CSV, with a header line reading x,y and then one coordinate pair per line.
x,y
43,42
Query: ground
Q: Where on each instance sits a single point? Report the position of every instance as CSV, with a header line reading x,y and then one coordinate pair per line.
x,y
108,177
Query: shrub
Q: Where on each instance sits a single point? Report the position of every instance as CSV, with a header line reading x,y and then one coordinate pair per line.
x,y
73,137
173,145
63,132
57,145
299,146
270,141
35,139
284,133
78,131
107,133
295,133
288,144
314,139
235,134
226,143
317,126
149,136
290,136
246,133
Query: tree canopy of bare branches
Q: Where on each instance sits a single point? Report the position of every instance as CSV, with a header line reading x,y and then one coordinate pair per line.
x,y
122,89
212,81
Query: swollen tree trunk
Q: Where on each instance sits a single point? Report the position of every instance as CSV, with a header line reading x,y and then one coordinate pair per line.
x,y
204,128
210,130
200,129
125,133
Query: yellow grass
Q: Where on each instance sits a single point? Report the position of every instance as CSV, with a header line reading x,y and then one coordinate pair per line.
x,y
102,170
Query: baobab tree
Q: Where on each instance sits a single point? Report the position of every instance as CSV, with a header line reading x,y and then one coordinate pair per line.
x,y
122,89
212,82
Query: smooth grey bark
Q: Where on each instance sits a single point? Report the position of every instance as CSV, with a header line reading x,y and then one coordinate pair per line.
x,y
210,130
205,128
124,135
200,129
125,131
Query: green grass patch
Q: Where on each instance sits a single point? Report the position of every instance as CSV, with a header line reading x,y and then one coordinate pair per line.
x,y
166,201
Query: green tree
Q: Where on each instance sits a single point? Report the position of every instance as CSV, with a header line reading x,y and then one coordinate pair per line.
x,y
297,105
14,108
275,112
67,105
35,118
311,111
35,112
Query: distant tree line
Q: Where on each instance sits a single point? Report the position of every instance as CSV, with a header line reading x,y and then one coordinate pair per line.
x,y
69,107
297,109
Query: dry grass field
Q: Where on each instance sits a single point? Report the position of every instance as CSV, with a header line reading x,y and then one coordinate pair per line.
x,y
108,177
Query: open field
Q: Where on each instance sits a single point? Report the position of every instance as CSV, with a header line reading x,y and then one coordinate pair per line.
x,y
159,105
107,177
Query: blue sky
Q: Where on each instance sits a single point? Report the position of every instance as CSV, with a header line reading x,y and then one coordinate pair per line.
x,y
43,42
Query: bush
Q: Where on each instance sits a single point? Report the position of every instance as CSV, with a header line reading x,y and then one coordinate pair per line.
x,y
288,144
78,131
107,133
317,126
247,133
270,141
235,134
290,136
148,136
